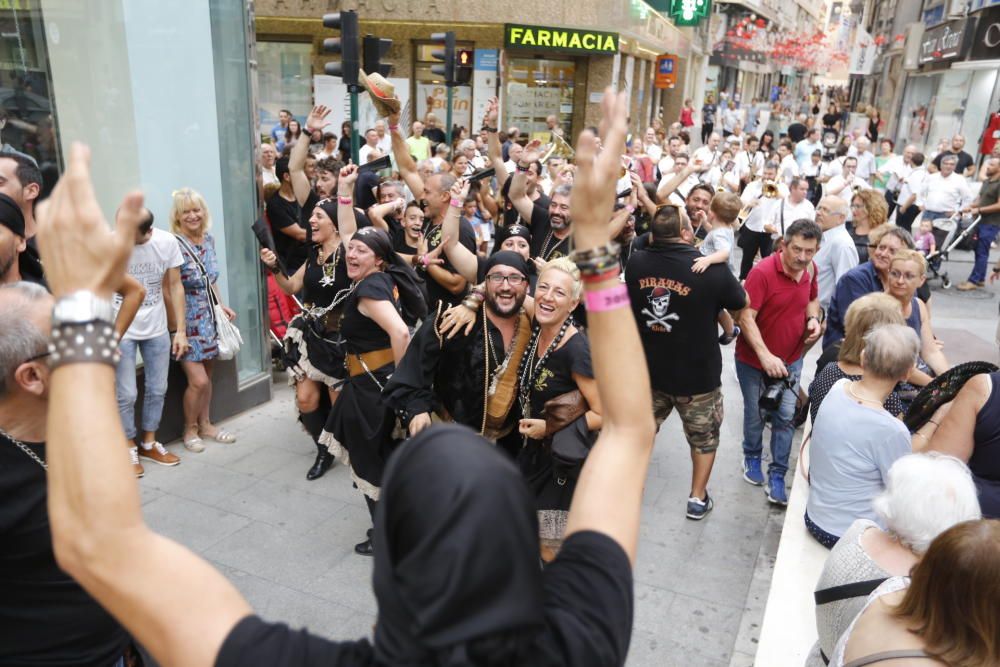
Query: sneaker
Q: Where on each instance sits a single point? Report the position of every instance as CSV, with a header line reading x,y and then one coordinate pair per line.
x,y
968,286
751,470
157,453
776,489
698,509
726,340
136,466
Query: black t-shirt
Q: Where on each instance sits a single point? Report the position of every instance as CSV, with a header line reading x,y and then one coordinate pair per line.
x,y
321,283
797,132
435,292
361,333
676,312
556,377
283,213
989,195
510,214
436,136
544,242
588,608
964,160
46,618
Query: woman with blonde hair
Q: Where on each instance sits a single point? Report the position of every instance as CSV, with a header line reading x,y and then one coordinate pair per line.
x,y
907,272
559,401
868,211
863,315
190,221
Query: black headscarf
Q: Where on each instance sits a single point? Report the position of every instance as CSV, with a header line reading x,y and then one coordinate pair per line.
x,y
412,292
506,258
504,233
11,216
457,550
329,206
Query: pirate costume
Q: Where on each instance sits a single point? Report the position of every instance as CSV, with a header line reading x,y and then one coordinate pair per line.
x,y
359,430
312,341
469,379
548,391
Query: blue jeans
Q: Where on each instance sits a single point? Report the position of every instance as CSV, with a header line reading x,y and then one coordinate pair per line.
x,y
156,363
752,383
986,235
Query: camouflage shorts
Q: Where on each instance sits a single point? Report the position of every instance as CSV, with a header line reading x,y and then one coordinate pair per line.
x,y
701,416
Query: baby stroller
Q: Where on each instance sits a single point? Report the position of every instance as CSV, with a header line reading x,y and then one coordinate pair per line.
x,y
949,234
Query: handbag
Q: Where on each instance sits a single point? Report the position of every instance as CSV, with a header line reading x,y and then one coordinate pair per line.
x,y
228,337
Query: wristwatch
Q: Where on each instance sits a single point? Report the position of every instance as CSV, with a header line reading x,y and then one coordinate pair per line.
x,y
82,307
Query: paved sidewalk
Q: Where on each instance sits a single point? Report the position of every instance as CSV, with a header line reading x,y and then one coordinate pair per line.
x,y
288,543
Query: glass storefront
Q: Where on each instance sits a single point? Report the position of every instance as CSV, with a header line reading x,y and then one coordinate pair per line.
x,y
536,89
285,78
938,106
98,73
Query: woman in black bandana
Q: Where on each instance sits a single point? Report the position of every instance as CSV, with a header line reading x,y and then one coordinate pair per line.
x,y
313,337
384,292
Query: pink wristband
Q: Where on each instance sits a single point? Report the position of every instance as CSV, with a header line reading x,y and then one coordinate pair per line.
x,y
393,128
611,298
346,201
456,202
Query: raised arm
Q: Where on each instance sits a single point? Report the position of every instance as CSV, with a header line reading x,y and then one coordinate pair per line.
x,y
94,503
404,161
608,495
378,212
347,225
465,261
518,194
300,151
493,147
667,188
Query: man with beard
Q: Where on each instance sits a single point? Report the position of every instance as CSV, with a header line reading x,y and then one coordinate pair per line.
x,y
551,228
470,379
21,180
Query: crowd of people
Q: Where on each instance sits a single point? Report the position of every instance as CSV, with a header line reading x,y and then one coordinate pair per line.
x,y
489,335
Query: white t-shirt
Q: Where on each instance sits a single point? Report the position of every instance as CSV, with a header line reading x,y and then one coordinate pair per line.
x,y
148,264
788,169
866,165
940,194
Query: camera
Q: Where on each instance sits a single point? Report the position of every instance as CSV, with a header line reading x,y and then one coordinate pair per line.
x,y
774,388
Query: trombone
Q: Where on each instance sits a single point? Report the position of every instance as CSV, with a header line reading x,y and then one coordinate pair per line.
x,y
559,148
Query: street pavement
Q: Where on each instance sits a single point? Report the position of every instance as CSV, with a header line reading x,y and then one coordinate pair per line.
x,y
700,587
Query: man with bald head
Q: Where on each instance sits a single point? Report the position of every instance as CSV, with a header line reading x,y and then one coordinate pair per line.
x,y
837,254
966,165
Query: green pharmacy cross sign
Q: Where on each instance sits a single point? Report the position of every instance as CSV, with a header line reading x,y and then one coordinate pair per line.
x,y
689,12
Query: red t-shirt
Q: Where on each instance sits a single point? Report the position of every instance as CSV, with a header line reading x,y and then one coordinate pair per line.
x,y
780,303
686,117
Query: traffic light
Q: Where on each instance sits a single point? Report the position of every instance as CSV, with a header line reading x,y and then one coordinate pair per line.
x,y
463,68
373,49
346,45
447,54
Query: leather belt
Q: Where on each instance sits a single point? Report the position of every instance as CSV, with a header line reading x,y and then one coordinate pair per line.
x,y
357,363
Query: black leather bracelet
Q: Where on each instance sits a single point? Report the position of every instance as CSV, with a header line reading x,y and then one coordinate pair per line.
x,y
88,342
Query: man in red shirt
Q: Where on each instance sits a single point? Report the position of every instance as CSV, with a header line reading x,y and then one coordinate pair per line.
x,y
781,320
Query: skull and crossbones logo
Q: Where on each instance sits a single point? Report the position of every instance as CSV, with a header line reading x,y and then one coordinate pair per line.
x,y
659,300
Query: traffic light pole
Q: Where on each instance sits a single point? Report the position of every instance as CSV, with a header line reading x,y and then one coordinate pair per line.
x,y
355,139
447,133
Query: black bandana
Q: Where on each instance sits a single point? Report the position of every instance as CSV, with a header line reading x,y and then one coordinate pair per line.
x,y
504,233
329,207
457,554
11,216
506,258
412,292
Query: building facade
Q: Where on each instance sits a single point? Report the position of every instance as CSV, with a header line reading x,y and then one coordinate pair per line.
x,y
161,93
541,60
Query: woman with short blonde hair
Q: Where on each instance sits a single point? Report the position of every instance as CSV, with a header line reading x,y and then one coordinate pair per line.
x,y
190,221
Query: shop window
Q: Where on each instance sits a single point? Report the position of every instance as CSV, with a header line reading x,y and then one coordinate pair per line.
x,y
432,94
284,81
536,89
949,105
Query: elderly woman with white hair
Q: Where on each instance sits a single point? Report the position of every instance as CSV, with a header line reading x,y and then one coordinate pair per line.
x,y
854,439
925,494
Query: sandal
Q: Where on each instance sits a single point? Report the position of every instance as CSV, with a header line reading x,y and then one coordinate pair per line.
x,y
194,444
223,436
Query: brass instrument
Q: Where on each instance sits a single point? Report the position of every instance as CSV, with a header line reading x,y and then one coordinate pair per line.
x,y
559,148
770,190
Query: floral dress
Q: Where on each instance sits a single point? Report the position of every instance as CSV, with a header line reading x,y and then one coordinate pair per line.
x,y
197,302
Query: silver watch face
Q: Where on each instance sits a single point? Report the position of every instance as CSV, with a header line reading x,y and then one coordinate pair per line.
x,y
82,307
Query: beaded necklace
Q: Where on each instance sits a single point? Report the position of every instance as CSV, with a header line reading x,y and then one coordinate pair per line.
x,y
530,368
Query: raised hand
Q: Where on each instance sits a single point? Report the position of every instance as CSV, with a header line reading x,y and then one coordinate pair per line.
x,y
460,190
492,108
594,193
78,247
348,176
532,152
316,120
